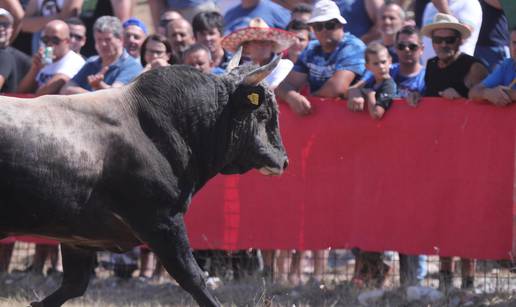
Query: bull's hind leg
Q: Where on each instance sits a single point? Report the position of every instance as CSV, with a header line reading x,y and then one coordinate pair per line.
x,y
77,266
170,242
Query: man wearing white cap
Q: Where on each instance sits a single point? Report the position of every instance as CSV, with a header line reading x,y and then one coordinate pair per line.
x,y
14,64
330,64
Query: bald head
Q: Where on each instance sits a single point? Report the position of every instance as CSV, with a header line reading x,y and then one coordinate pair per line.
x,y
180,35
56,34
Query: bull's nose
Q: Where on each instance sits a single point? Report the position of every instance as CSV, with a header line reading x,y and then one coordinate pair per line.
x,y
285,164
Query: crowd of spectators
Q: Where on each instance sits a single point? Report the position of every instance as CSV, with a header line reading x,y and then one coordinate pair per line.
x,y
366,51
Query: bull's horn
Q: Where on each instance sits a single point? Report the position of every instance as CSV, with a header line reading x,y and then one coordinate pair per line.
x,y
235,60
257,75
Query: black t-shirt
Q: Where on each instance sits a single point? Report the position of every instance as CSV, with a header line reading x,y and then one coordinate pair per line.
x,y
14,64
384,93
438,79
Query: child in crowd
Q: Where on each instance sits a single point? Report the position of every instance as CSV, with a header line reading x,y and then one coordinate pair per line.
x,y
377,96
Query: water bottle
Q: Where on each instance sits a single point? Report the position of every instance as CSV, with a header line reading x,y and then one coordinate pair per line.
x,y
48,56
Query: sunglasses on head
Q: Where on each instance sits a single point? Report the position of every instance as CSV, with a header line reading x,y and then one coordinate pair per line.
x,y
51,40
411,46
328,25
446,39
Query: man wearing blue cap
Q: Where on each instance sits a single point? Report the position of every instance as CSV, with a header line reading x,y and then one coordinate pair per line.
x,y
135,33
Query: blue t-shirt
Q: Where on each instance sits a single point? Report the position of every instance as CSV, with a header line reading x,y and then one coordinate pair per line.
x,y
183,4
273,14
320,66
355,13
503,75
414,83
124,70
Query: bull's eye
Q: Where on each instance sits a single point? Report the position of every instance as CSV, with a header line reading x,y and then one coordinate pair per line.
x,y
261,116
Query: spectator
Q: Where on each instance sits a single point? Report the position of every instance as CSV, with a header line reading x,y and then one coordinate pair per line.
x,y
77,34
329,65
362,16
14,64
199,57
113,66
166,17
208,28
93,10
187,8
240,16
44,79
135,32
16,10
391,20
180,35
450,75
301,12
302,32
493,40
260,44
156,52
469,12
39,13
499,87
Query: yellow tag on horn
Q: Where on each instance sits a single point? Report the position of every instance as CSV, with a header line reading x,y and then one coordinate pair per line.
x,y
254,98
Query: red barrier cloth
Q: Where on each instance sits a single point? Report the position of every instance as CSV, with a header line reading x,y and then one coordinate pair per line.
x,y
436,179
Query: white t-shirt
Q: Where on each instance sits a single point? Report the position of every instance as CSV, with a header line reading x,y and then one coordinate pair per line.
x,y
279,73
468,12
68,65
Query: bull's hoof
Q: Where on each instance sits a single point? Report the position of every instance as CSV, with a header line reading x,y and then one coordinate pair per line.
x,y
36,304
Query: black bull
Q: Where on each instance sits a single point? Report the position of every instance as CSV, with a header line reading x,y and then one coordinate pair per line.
x,y
112,169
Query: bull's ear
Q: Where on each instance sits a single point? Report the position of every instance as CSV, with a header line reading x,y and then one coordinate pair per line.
x,y
235,60
257,75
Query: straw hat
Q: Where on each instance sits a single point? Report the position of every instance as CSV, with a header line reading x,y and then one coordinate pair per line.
x,y
445,21
258,30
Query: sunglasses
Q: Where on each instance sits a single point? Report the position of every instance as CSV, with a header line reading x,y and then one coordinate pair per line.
x,y
328,25
5,24
446,39
411,46
51,40
76,37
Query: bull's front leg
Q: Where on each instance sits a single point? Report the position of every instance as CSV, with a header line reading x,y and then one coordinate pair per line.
x,y
168,239
77,266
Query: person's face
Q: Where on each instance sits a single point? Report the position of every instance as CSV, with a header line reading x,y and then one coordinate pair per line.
x,y
446,43
210,38
513,45
57,37
6,30
390,21
77,37
107,44
302,40
409,49
165,19
155,50
133,40
328,33
259,52
379,64
200,60
180,35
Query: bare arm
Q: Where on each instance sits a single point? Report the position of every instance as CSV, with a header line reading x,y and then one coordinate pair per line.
x,y
499,96
373,9
2,81
375,111
71,88
14,7
34,23
476,74
442,6
337,85
54,85
156,7
123,9
494,3
28,84
288,90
